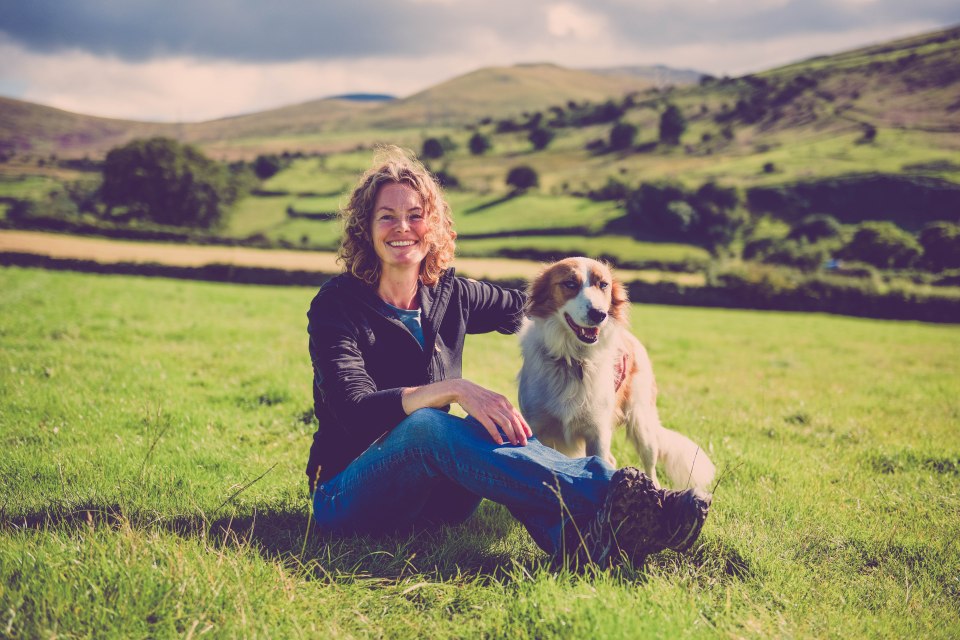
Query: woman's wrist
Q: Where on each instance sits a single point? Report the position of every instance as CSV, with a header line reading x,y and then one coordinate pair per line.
x,y
436,395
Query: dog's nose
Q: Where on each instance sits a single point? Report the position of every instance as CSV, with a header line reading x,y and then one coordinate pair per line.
x,y
596,315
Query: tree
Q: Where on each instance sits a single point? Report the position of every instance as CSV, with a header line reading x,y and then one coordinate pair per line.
x,y
522,178
884,245
672,125
166,182
622,136
540,137
479,144
432,149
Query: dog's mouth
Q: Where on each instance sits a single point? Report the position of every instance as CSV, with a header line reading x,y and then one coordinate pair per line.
x,y
588,335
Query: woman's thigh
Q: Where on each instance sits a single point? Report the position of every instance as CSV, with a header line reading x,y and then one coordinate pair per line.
x,y
389,488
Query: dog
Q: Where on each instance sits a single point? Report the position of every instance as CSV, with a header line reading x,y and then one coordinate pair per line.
x,y
583,372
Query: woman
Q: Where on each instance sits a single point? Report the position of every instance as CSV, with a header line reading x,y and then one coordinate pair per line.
x,y
386,341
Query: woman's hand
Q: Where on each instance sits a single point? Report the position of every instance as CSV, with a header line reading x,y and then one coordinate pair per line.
x,y
490,409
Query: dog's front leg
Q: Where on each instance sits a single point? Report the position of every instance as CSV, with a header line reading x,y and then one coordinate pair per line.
x,y
598,444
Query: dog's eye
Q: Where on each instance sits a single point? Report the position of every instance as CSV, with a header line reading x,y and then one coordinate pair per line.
x,y
570,284
603,285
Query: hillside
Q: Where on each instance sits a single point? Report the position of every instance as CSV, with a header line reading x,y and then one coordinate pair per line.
x,y
503,91
36,129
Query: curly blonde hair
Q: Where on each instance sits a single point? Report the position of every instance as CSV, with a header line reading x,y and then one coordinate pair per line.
x,y
394,165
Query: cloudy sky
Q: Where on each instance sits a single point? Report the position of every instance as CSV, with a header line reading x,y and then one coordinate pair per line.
x,y
192,60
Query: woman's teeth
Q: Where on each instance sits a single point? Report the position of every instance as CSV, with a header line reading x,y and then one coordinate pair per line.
x,y
401,243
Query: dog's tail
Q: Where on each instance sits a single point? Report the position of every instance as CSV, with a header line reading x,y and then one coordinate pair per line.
x,y
684,462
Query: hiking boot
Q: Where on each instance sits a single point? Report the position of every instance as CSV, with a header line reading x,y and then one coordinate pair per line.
x,y
636,519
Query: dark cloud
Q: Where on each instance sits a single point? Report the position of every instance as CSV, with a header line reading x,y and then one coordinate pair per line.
x,y
265,30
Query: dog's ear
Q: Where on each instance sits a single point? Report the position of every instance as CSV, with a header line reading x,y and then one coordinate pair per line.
x,y
538,293
619,302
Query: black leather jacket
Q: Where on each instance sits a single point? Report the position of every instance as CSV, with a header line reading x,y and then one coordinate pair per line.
x,y
363,357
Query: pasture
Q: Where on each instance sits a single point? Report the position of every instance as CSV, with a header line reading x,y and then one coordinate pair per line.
x,y
155,433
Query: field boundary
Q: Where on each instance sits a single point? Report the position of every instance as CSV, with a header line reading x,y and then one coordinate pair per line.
x,y
842,302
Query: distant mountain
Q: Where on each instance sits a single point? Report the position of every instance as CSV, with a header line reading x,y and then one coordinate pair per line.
x,y
365,97
500,92
659,75
912,83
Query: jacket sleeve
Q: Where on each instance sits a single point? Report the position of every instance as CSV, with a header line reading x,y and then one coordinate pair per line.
x,y
492,308
340,378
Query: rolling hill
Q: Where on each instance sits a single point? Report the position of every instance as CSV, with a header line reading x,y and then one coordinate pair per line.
x,y
501,91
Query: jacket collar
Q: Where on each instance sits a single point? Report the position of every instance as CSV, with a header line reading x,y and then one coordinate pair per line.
x,y
433,299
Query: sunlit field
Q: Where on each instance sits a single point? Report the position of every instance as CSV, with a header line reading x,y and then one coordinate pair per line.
x,y
155,433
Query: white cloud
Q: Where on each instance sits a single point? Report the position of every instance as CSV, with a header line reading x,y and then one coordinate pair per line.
x,y
569,20
189,89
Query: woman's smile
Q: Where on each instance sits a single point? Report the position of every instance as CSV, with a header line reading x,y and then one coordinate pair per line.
x,y
398,226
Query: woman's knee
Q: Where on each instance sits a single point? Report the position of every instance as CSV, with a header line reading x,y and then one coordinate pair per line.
x,y
427,425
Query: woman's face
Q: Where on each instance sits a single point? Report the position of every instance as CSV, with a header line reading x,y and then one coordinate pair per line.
x,y
398,227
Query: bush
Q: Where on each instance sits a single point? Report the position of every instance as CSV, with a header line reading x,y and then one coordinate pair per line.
x,y
941,245
815,227
672,125
267,166
907,199
884,245
163,181
540,138
622,136
479,144
446,179
432,149
522,178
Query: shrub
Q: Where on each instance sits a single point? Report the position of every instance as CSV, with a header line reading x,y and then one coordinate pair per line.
x,y
941,245
479,144
522,178
672,125
432,149
540,138
884,245
267,166
622,136
815,227
446,179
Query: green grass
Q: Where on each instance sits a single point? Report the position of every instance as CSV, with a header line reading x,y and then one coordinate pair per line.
x,y
139,415
27,187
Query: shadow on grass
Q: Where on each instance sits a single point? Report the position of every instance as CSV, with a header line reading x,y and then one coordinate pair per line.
x,y
490,545
483,206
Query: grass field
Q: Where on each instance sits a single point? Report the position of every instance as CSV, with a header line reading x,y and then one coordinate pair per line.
x,y
155,433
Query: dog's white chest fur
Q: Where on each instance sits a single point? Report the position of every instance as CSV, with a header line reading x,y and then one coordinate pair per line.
x,y
567,391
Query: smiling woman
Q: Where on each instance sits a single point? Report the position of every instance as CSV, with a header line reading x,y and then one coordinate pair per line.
x,y
386,342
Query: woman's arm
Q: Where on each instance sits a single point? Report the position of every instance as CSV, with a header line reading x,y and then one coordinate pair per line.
x,y
491,409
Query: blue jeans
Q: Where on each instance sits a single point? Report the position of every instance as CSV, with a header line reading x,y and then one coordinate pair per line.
x,y
433,468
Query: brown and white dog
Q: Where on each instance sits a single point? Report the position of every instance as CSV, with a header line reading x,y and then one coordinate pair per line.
x,y
583,372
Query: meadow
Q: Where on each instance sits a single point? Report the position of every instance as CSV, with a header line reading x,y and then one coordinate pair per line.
x,y
156,432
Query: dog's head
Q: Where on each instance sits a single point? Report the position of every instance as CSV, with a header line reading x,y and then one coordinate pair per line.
x,y
580,291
